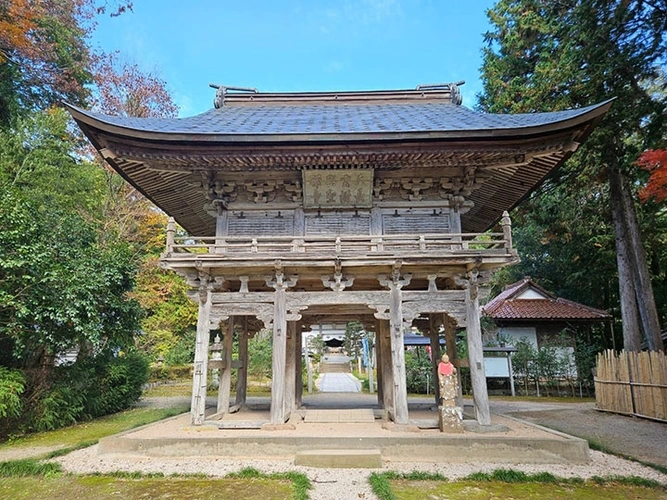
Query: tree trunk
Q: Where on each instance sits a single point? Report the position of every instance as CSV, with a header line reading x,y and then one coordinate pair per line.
x,y
629,312
648,312
625,222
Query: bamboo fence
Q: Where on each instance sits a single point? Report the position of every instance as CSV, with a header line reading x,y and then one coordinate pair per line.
x,y
632,383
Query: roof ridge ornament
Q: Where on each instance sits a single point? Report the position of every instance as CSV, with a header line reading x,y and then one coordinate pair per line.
x,y
222,90
449,91
453,88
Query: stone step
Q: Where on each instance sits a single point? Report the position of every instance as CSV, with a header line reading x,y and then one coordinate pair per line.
x,y
334,367
356,415
340,459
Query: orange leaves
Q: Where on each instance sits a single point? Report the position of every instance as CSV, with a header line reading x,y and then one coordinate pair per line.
x,y
17,21
45,50
655,162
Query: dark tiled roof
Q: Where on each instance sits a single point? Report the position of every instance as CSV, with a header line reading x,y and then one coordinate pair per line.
x,y
325,119
507,307
410,129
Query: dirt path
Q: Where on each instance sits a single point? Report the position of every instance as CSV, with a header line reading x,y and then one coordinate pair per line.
x,y
641,439
20,453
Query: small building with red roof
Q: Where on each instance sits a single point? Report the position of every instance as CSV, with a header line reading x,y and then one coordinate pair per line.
x,y
525,310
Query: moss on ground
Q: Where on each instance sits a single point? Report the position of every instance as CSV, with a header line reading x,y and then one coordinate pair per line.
x,y
88,433
66,487
472,490
509,483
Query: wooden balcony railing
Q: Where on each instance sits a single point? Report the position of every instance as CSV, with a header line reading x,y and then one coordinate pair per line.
x,y
339,245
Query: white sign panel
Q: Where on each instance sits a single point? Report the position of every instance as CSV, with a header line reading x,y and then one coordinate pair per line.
x,y
496,367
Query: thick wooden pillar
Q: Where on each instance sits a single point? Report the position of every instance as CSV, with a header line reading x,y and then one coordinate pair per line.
x,y
434,338
475,352
450,346
450,337
242,371
400,393
226,372
378,365
383,336
279,359
290,368
198,405
398,355
299,371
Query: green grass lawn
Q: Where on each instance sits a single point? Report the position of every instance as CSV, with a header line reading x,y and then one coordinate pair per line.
x,y
87,433
184,389
29,479
472,490
508,483
67,487
170,390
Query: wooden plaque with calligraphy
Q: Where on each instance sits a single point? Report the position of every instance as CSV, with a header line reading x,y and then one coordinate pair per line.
x,y
337,188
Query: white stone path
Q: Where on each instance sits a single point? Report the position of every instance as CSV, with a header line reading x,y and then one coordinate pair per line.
x,y
338,382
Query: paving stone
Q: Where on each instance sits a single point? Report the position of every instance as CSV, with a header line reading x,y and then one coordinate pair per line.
x,y
344,459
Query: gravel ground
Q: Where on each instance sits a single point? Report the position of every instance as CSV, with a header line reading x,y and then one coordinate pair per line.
x,y
639,438
338,484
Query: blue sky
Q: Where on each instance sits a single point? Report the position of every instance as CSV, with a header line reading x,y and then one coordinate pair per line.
x,y
300,45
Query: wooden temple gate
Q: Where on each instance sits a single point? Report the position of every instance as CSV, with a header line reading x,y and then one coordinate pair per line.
x,y
302,208
447,270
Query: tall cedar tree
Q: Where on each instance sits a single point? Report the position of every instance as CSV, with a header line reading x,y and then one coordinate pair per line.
x,y
543,55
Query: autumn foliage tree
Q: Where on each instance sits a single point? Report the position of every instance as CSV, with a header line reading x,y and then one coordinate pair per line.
x,y
45,57
124,89
69,246
655,162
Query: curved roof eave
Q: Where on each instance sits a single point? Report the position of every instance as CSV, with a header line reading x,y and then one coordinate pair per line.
x,y
104,123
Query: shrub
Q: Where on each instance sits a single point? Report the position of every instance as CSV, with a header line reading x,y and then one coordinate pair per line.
x,y
91,387
164,373
418,371
12,385
183,352
58,406
120,383
260,352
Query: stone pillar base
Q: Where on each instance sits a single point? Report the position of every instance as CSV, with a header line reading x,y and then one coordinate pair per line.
x,y
449,419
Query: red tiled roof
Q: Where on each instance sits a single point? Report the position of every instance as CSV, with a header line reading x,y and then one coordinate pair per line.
x,y
507,307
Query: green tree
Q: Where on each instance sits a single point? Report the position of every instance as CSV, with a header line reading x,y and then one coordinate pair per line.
x,y
544,55
62,284
123,89
260,352
71,233
354,332
418,371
